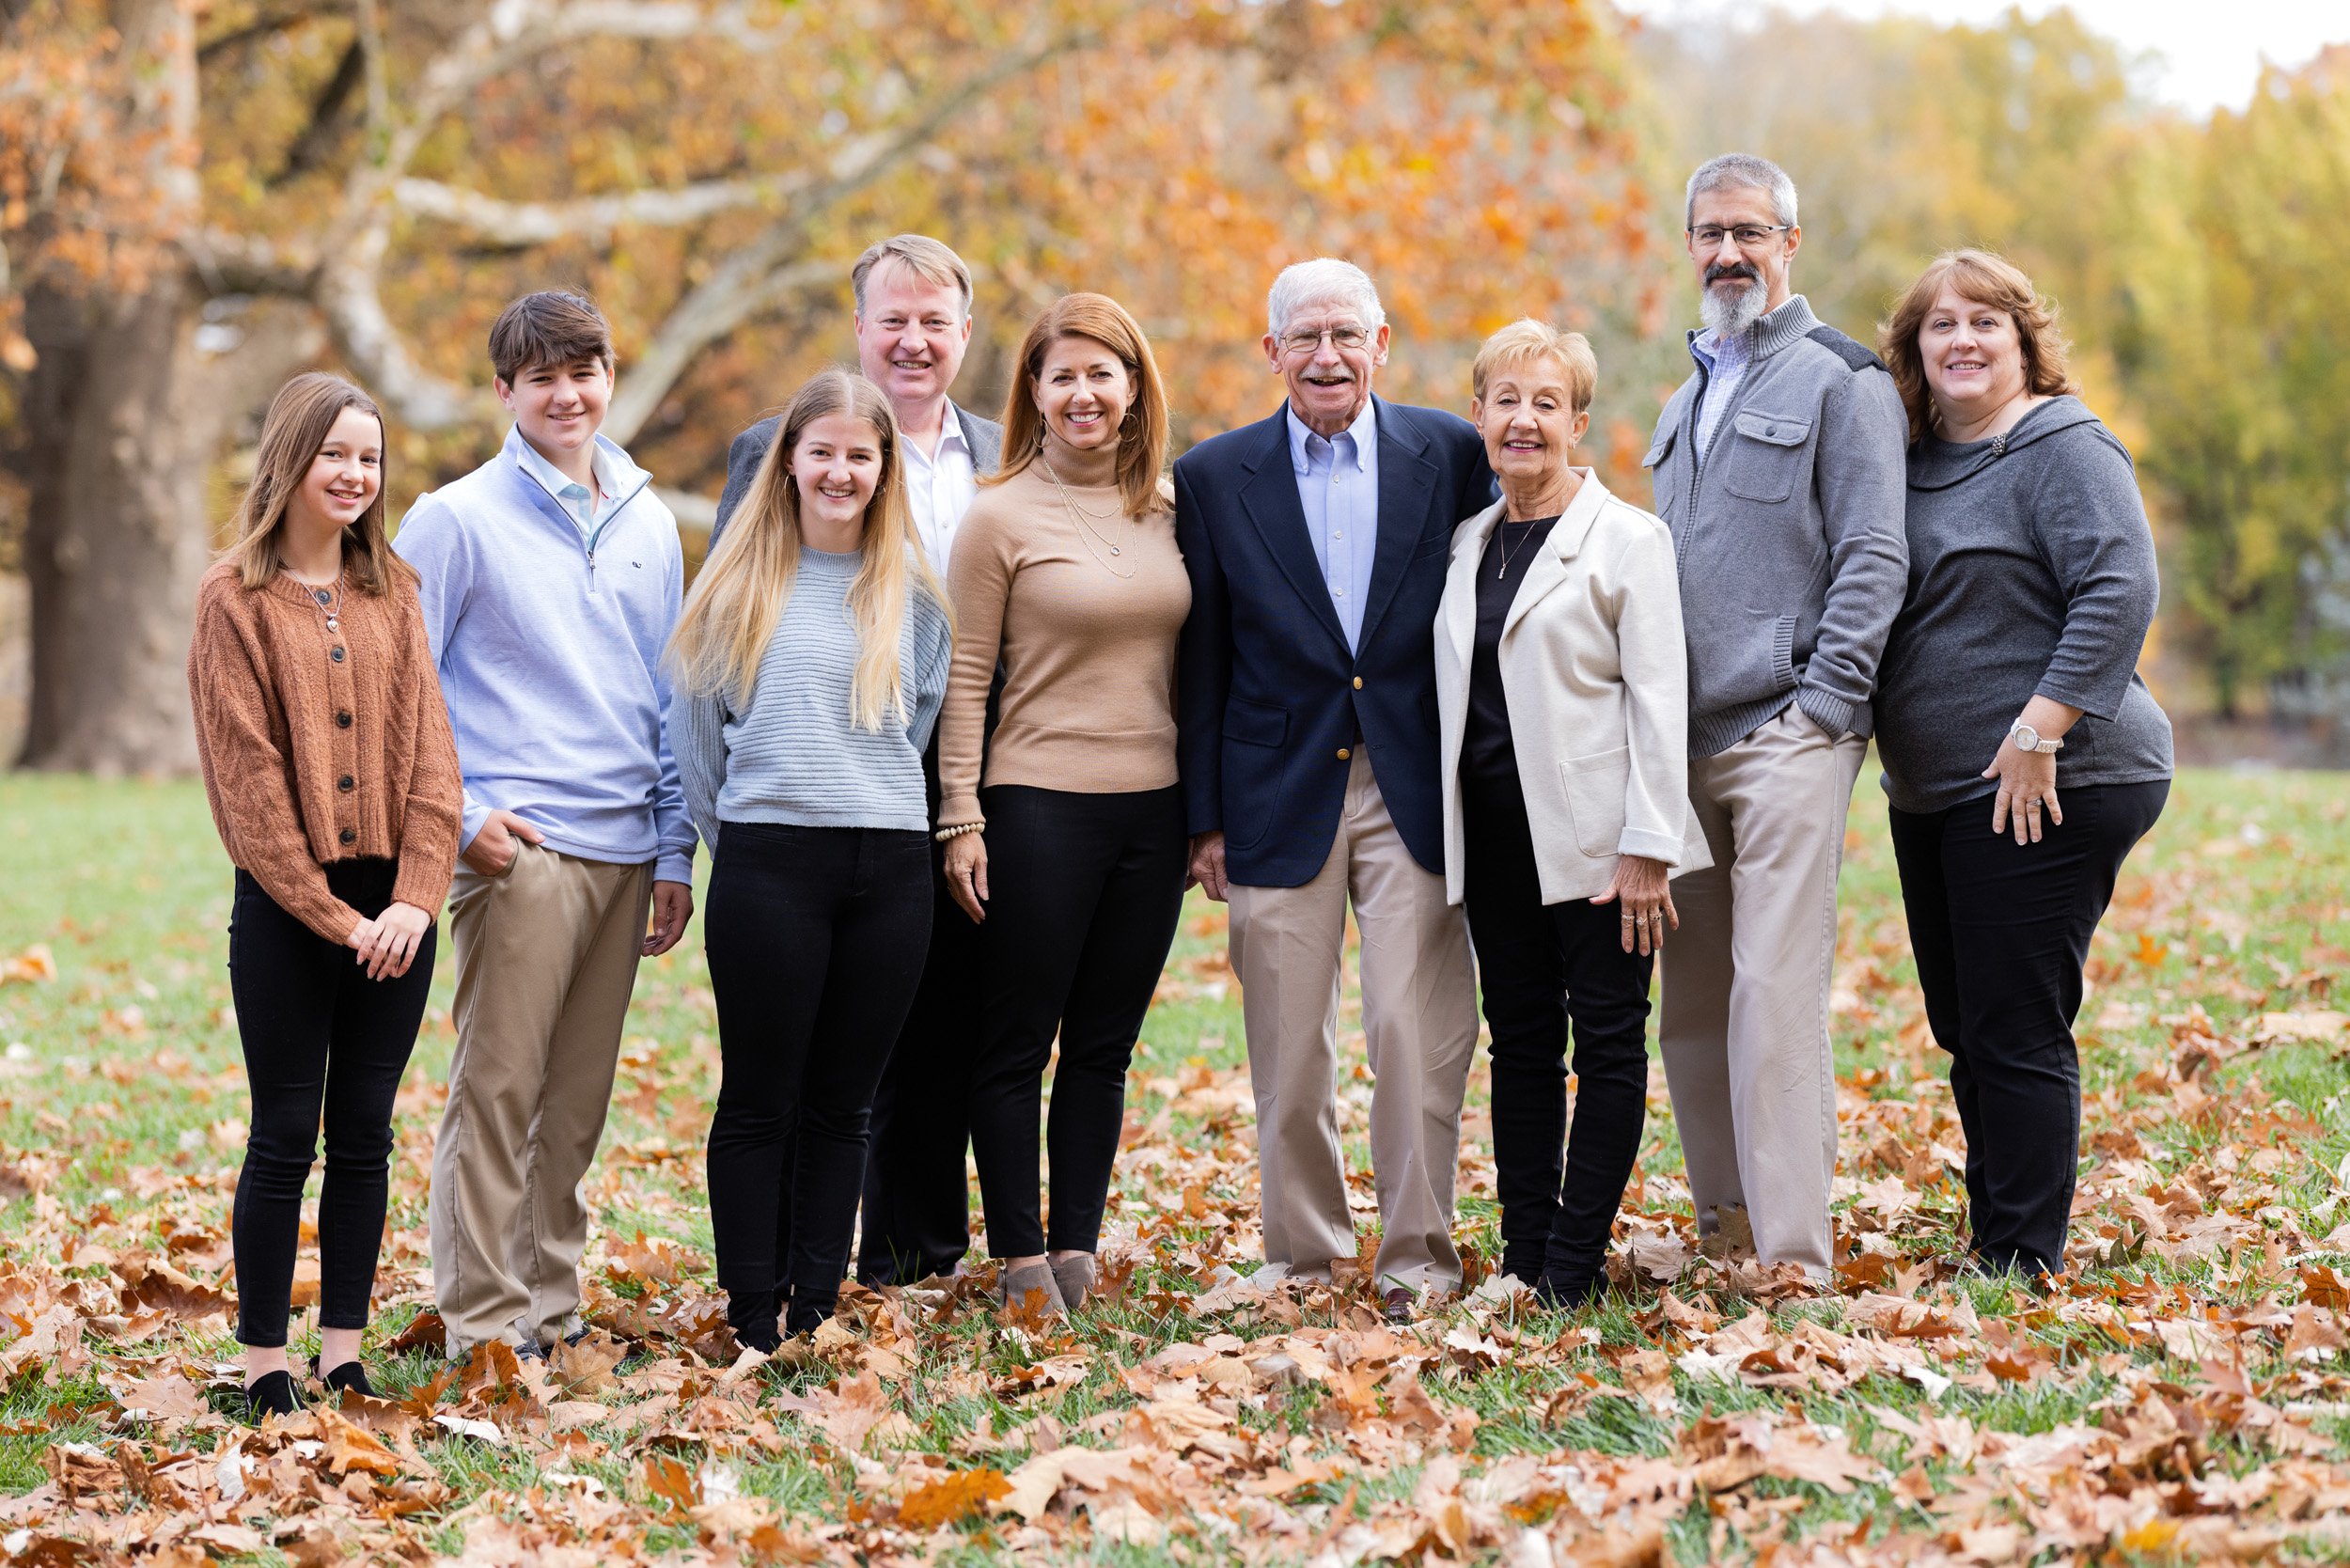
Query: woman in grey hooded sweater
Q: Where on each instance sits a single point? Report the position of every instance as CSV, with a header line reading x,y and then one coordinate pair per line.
x,y
2031,586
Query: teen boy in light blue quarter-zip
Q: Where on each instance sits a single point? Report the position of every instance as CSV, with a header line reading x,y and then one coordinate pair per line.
x,y
552,579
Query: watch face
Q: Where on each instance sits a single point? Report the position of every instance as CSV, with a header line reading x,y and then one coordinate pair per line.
x,y
2026,738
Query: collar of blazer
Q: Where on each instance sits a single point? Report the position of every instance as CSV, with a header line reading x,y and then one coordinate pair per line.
x,y
1407,485
1547,570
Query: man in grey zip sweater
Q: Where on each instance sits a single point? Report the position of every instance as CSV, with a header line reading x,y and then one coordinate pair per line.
x,y
1778,467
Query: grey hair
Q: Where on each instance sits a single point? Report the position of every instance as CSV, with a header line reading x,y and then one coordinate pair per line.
x,y
1325,279
1743,170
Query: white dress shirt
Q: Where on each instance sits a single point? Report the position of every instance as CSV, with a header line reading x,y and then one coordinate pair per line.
x,y
940,488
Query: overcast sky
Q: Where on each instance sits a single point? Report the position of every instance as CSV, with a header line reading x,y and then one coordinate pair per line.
x,y
2210,51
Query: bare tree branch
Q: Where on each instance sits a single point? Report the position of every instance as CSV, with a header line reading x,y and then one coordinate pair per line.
x,y
747,281
517,224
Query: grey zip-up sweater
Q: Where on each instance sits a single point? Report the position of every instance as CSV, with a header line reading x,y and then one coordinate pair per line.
x,y
1788,532
2031,570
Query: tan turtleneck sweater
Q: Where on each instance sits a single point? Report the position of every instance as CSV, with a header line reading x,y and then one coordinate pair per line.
x,y
1086,639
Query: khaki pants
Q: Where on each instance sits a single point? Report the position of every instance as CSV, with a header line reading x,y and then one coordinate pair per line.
x,y
1745,1030
546,957
1420,1028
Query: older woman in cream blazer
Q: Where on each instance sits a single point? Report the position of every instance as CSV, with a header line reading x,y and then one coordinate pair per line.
x,y
1561,689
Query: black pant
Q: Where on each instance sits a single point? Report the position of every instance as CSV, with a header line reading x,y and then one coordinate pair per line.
x,y
1539,967
320,1038
815,937
918,1199
1085,890
2001,931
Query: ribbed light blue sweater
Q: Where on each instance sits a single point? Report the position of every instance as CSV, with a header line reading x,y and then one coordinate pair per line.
x,y
793,756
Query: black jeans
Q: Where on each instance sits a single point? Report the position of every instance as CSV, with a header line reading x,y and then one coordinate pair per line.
x,y
2001,933
321,1040
1539,967
1087,890
815,937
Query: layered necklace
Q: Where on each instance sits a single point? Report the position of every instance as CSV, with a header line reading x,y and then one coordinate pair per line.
x,y
1095,541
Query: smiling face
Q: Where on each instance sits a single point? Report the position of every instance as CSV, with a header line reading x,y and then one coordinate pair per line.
x,y
558,408
1740,283
343,479
910,335
1529,423
1974,357
1083,390
837,466
1328,383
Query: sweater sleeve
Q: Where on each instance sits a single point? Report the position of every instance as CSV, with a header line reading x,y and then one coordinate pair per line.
x,y
249,778
1654,658
431,540
673,824
434,813
930,678
2090,525
979,584
1863,500
697,728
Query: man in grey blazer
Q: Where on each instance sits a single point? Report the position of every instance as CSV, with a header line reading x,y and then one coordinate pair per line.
x,y
912,325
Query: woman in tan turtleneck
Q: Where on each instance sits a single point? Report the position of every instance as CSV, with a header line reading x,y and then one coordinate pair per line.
x,y
1069,847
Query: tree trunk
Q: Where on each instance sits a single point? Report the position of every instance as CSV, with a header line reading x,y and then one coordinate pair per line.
x,y
117,536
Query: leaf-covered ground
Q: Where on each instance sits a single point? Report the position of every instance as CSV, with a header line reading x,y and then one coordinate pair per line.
x,y
2181,1396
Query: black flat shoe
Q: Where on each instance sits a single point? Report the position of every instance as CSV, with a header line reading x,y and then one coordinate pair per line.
x,y
351,1374
271,1394
1561,1293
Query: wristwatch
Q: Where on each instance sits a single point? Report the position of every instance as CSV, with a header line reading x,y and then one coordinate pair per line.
x,y
2028,739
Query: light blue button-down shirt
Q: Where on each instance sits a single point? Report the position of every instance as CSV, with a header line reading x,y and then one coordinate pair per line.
x,y
1337,484
1726,361
587,507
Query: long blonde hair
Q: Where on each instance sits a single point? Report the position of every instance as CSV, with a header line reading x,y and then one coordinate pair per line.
x,y
1141,437
730,616
299,419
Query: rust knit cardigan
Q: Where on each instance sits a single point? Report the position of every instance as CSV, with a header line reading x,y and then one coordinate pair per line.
x,y
321,745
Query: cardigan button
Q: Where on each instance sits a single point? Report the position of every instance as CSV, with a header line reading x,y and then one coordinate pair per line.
x,y
348,836
343,719
337,655
1344,754
346,783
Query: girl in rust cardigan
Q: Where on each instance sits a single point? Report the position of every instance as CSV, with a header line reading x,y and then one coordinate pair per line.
x,y
333,779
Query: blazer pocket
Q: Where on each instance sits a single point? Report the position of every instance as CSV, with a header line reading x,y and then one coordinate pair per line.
x,y
1254,723
1440,545
1769,455
1596,786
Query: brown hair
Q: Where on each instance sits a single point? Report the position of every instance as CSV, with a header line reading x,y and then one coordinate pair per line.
x,y
1141,437
300,419
553,326
1988,278
918,254
739,596
1528,341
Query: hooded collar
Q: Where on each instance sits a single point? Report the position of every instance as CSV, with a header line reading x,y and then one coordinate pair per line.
x,y
1938,465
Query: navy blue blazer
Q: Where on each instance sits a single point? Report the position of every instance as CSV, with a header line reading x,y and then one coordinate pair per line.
x,y
1269,699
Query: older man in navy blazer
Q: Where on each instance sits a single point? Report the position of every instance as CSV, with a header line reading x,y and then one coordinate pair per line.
x,y
1317,543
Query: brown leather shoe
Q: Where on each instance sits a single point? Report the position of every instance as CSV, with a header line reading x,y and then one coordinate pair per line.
x,y
1400,1304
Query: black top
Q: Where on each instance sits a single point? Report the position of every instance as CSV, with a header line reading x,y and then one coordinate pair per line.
x,y
1487,750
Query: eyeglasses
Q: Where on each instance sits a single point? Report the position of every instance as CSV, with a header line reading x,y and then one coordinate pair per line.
x,y
1707,236
1343,338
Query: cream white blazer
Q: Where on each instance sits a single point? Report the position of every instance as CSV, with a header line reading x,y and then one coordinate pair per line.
x,y
1595,671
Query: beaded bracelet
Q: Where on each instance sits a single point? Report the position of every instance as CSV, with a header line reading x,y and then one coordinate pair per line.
x,y
957,831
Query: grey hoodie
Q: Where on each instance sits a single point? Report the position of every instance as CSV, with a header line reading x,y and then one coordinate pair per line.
x,y
2031,570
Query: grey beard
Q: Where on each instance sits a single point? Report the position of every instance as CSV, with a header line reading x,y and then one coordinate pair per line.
x,y
1731,317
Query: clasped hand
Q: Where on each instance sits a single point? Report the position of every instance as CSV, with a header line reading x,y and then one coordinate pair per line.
x,y
387,944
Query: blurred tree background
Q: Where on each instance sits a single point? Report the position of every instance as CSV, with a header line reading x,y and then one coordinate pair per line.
x,y
197,198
